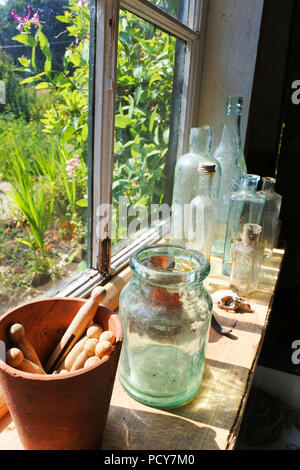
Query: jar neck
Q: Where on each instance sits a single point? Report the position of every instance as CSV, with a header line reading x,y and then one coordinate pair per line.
x,y
169,266
249,183
201,139
268,184
171,296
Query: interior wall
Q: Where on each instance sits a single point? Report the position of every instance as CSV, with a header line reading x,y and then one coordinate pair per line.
x,y
232,35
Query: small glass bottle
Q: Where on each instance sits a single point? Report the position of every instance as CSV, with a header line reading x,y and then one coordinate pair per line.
x,y
186,178
246,261
229,154
246,206
203,212
271,215
166,312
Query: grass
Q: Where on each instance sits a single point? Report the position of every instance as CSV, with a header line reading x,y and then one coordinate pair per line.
x,y
43,230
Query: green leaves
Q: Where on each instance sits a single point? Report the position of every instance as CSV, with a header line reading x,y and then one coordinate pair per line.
x,y
152,119
122,121
64,19
26,39
30,200
45,48
154,78
24,61
144,92
82,202
43,86
135,147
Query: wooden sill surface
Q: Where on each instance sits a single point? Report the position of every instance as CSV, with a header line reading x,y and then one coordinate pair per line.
x,y
212,419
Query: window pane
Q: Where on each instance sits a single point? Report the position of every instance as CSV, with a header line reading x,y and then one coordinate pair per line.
x,y
149,83
43,145
176,8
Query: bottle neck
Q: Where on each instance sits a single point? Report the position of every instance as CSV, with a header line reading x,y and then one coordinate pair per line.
x,y
250,183
269,184
231,134
201,140
205,184
251,235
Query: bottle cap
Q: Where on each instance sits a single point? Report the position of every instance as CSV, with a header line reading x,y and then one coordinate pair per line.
x,y
206,167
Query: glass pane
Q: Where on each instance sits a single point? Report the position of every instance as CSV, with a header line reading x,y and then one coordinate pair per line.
x,y
44,93
176,8
149,83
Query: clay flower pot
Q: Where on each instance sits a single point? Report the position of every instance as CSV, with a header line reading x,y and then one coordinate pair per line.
x,y
58,411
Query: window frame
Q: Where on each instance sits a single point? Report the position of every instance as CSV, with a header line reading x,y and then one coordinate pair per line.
x,y
103,265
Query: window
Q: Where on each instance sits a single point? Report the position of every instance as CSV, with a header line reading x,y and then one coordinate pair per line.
x,y
127,115
141,19
44,73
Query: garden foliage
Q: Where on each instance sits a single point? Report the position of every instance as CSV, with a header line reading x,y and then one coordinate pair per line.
x,y
53,131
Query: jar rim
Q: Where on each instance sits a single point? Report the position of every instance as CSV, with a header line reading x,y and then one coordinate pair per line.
x,y
170,274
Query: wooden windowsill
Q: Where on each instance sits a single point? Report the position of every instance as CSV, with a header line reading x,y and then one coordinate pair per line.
x,y
212,419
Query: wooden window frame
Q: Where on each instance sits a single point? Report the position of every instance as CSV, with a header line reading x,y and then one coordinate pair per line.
x,y
103,265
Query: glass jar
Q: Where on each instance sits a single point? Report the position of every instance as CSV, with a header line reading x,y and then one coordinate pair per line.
x,y
246,206
271,214
229,154
186,179
165,312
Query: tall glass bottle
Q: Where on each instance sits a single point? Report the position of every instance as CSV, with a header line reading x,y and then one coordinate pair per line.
x,y
203,212
271,215
229,154
246,206
186,177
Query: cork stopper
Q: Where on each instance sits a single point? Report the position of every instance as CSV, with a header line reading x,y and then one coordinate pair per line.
x,y
251,234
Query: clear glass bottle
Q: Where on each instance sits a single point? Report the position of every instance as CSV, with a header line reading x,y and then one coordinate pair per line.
x,y
186,178
166,313
271,215
229,154
203,212
246,206
246,261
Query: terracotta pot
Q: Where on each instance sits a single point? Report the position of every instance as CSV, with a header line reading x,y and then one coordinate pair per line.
x,y
58,411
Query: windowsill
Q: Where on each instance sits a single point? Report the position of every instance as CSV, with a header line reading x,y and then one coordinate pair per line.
x,y
212,420
84,283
